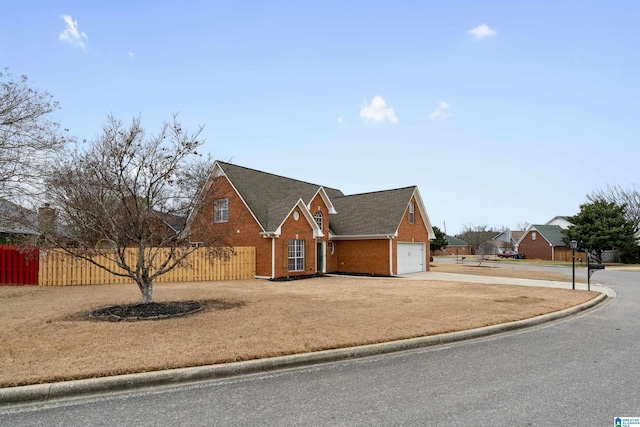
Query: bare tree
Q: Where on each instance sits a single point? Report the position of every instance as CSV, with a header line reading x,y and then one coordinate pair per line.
x,y
122,193
195,177
28,136
476,236
628,197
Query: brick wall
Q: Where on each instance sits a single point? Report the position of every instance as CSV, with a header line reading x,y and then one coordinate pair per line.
x,y
331,260
452,250
416,232
299,229
241,229
535,247
363,256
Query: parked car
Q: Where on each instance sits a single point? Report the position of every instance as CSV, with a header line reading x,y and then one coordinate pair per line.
x,y
510,254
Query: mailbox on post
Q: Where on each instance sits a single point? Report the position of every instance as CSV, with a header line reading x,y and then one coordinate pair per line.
x,y
591,268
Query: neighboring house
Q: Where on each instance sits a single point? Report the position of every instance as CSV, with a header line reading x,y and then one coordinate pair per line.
x,y
476,239
543,242
509,236
494,247
456,246
504,241
14,223
561,221
299,228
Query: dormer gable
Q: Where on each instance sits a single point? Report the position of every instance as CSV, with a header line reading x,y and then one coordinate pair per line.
x,y
325,198
301,207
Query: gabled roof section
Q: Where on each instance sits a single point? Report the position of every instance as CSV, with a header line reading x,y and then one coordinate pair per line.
x,y
514,235
325,198
378,213
270,197
454,241
423,213
562,221
175,222
517,235
317,232
565,217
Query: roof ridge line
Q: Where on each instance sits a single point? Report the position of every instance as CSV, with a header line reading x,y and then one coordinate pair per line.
x,y
377,191
278,176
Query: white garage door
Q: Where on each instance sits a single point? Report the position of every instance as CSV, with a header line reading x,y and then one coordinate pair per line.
x,y
411,257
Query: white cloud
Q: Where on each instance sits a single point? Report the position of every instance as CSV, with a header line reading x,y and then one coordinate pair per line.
x,y
482,31
377,111
442,112
71,34
341,118
131,56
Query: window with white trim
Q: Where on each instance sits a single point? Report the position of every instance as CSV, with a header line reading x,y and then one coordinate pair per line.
x,y
412,214
318,218
221,210
296,255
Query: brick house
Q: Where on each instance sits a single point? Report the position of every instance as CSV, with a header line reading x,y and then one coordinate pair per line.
x,y
299,228
454,247
542,242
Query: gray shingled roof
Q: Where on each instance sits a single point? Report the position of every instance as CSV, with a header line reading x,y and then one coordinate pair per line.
x,y
552,233
176,222
516,235
454,241
11,213
377,213
271,197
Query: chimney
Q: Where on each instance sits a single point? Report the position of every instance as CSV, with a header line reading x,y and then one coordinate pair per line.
x,y
47,219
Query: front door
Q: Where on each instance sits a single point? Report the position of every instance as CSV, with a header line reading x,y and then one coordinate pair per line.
x,y
320,248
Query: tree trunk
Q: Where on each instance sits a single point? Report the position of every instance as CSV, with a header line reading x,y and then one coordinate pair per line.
x,y
598,256
147,292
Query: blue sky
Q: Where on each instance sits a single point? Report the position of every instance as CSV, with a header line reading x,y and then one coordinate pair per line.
x,y
501,112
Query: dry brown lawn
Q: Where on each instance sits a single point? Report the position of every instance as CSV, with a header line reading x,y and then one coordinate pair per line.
x,y
505,270
45,335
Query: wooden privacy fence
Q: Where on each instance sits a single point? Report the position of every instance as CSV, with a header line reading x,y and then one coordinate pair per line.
x,y
60,269
18,265
564,255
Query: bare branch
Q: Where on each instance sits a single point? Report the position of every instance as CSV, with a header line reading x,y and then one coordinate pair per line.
x,y
126,190
628,197
27,136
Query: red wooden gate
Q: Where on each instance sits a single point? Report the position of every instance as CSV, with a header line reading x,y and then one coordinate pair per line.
x,y
19,265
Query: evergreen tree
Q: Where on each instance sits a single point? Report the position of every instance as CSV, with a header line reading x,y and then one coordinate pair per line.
x,y
440,242
601,226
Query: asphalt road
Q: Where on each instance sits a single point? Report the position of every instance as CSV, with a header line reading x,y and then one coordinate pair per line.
x,y
583,370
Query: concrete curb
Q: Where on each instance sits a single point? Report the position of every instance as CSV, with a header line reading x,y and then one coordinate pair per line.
x,y
67,389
